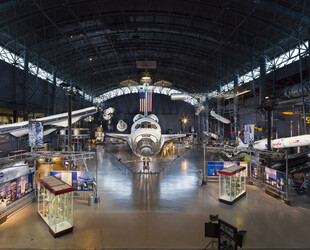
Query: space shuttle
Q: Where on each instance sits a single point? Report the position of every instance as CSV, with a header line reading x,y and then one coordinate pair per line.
x,y
286,142
145,138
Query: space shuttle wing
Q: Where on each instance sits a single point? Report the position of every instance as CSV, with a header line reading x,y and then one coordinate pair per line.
x,y
124,137
172,137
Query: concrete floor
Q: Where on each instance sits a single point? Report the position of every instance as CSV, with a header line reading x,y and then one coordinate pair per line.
x,y
168,211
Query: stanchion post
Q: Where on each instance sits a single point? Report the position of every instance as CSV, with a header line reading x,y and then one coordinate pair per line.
x,y
204,178
250,177
97,198
287,201
35,180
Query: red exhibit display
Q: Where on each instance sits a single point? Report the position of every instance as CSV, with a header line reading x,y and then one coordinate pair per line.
x,y
55,204
232,184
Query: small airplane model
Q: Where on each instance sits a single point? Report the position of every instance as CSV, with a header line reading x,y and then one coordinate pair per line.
x,y
146,139
219,117
212,135
287,142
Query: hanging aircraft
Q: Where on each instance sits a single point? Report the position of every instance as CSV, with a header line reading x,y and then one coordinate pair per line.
x,y
212,135
219,117
61,120
146,139
287,142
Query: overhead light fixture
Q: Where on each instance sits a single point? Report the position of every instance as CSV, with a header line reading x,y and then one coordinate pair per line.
x,y
90,59
287,113
178,97
243,92
266,97
232,95
146,77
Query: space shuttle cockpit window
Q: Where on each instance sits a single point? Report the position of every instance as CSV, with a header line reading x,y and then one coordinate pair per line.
x,y
146,125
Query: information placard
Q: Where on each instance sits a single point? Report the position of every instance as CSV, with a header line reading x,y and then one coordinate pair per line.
x,y
228,236
215,166
15,189
79,180
274,178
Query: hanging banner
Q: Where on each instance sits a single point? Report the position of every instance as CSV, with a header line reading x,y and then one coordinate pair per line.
x,y
249,134
35,132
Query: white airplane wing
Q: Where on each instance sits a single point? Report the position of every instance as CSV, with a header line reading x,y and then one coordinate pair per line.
x,y
172,136
21,128
124,137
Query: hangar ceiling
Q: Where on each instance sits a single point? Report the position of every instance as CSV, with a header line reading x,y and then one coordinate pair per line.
x,y
195,43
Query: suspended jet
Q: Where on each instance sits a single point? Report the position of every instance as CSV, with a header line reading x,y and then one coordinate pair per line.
x,y
146,139
219,117
60,120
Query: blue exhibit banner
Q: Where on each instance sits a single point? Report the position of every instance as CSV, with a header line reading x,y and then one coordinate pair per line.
x,y
255,170
215,166
13,190
79,180
274,178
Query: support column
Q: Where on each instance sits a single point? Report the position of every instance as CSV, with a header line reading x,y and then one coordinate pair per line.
x,y
25,85
302,90
268,107
219,112
14,116
69,122
236,76
207,128
262,78
83,99
53,101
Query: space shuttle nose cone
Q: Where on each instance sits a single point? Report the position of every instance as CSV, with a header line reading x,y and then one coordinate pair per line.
x,y
146,151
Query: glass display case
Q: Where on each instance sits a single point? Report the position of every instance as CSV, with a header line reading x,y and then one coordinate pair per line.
x,y
55,204
232,184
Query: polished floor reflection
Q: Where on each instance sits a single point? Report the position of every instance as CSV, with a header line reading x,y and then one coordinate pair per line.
x,y
161,211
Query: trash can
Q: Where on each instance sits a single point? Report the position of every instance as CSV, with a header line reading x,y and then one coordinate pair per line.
x,y
91,200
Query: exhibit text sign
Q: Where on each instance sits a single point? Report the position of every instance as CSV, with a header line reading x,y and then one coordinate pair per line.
x,y
79,180
274,178
13,190
228,236
215,166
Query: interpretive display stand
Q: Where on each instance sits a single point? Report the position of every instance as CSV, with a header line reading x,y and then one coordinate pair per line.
x,y
232,184
55,204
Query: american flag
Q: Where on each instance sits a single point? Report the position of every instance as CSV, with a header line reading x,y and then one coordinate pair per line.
x,y
149,100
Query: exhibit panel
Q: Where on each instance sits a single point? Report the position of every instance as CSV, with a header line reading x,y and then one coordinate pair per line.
x,y
232,184
55,205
